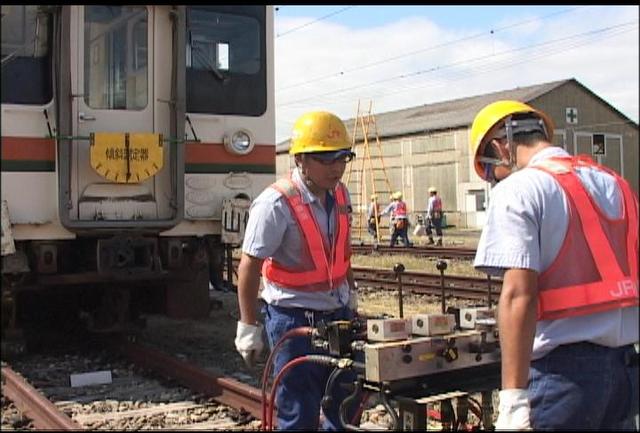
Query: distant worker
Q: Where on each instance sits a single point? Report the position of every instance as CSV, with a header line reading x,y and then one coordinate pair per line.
x,y
434,216
298,237
398,219
373,217
563,232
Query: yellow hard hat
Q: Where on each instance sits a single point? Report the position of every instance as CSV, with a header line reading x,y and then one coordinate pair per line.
x,y
397,195
319,131
432,189
373,197
493,113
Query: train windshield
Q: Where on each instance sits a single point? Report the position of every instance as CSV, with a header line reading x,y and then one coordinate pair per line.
x,y
226,60
26,55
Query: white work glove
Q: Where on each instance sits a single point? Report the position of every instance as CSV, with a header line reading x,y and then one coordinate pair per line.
x,y
513,410
249,342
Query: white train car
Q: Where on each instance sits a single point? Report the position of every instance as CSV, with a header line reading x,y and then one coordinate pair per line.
x,y
133,140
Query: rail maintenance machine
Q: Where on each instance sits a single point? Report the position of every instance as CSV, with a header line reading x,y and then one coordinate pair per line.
x,y
423,366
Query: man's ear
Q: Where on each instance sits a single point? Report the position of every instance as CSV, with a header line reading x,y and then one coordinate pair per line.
x,y
501,147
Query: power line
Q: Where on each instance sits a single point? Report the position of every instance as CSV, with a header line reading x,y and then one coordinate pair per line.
x,y
411,53
437,68
314,21
489,68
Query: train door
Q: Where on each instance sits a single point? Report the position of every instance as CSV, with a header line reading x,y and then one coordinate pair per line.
x,y
125,175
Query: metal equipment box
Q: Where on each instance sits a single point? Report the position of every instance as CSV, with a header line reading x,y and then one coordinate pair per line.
x,y
388,329
432,324
468,316
388,361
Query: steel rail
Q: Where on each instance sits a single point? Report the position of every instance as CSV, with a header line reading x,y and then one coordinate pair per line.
x,y
419,282
224,390
35,406
448,253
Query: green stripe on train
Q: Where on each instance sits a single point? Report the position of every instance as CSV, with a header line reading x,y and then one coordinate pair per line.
x,y
226,168
13,165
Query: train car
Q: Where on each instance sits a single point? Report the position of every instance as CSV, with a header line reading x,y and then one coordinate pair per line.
x,y
133,140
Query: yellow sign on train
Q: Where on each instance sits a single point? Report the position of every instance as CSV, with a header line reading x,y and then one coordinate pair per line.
x,y
126,157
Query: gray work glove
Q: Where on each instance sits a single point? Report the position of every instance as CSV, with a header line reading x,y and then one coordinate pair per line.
x,y
513,410
353,298
249,342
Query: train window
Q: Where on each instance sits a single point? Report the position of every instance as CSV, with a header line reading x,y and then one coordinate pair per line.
x,y
115,57
140,45
26,55
226,60
222,56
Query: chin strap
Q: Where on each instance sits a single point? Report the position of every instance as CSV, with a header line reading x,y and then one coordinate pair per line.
x,y
513,153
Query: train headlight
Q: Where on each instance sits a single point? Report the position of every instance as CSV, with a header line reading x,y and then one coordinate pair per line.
x,y
240,143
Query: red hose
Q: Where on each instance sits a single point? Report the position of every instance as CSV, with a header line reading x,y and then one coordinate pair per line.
x,y
302,331
287,366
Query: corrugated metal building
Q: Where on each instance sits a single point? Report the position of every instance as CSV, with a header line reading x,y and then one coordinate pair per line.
x,y
428,145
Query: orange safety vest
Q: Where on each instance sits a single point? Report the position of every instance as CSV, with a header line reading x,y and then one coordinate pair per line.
x,y
328,266
437,204
400,210
436,212
596,268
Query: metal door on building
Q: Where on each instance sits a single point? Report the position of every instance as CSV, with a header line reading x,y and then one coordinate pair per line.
x,y
605,149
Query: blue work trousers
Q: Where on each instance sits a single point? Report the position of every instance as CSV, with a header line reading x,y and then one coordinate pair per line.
x,y
584,386
300,391
371,228
402,234
434,223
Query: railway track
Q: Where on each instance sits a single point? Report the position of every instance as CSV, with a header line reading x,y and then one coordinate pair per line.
x,y
421,251
431,284
176,395
485,289
201,399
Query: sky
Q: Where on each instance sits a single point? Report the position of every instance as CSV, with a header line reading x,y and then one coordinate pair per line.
x,y
393,57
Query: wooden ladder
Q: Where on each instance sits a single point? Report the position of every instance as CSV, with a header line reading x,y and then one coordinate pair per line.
x,y
369,173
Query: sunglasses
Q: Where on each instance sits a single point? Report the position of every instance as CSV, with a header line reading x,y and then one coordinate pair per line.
x,y
328,158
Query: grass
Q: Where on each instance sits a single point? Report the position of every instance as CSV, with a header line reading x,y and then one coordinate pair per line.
x,y
417,264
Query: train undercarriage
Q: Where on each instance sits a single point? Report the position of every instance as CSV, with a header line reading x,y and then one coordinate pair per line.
x,y
107,284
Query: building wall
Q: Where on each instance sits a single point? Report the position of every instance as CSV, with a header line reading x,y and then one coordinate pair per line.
x,y
594,117
413,164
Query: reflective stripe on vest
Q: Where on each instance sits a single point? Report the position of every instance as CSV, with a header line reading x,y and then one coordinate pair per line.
x,y
326,273
593,271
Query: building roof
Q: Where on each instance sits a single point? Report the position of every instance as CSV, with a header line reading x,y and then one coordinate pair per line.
x,y
445,115
442,115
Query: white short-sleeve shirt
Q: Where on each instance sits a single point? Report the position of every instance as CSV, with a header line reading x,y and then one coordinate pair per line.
x,y
526,224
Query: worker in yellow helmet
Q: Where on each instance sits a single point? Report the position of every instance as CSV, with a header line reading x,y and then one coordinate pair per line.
x,y
398,220
562,231
298,238
373,217
434,216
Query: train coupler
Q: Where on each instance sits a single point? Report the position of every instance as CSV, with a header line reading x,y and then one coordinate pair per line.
x,y
126,256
